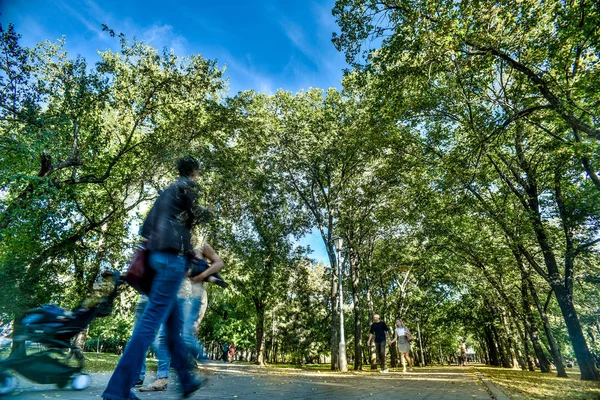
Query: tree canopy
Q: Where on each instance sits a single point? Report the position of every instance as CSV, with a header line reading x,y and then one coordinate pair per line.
x,y
459,163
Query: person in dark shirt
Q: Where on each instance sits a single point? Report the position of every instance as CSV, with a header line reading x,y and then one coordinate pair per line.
x,y
167,230
379,331
168,226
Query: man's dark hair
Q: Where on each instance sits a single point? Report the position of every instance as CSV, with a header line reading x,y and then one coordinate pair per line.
x,y
187,165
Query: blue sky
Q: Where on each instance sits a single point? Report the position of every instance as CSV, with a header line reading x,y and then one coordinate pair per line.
x,y
265,45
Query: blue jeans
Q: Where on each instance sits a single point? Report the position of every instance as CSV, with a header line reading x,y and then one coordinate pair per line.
x,y
139,311
162,308
191,308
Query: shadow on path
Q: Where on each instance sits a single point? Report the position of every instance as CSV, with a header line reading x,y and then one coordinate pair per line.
x,y
233,381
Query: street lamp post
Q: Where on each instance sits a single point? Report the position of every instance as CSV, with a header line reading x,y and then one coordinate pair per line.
x,y
422,361
343,363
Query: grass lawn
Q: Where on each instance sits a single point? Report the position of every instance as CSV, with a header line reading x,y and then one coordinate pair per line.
x,y
106,362
527,385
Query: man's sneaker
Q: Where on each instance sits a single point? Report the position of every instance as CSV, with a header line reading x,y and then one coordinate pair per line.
x,y
159,385
385,371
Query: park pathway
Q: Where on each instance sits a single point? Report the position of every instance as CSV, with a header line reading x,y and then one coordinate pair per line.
x,y
242,382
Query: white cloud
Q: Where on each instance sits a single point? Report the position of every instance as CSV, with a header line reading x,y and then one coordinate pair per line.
x,y
328,62
254,79
161,36
324,18
89,14
92,16
296,36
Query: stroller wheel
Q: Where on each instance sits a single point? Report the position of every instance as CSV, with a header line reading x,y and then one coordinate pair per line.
x,y
81,382
8,383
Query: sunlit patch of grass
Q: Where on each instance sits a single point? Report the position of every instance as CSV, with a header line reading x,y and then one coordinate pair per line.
x,y
535,385
105,362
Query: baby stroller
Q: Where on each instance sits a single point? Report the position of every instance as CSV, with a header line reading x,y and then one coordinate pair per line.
x,y
53,328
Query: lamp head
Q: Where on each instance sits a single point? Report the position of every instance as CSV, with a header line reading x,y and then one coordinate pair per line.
x,y
338,243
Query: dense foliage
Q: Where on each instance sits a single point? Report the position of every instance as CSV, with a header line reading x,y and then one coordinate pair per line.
x,y
459,164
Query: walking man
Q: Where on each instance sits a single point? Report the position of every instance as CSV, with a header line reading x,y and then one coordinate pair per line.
x,y
379,331
168,229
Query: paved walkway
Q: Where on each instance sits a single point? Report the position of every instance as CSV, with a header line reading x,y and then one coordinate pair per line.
x,y
248,382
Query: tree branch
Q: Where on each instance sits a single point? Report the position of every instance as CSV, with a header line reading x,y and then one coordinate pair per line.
x,y
554,102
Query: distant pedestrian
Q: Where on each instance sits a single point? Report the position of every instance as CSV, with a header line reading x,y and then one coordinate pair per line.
x,y
225,349
463,354
379,331
402,337
231,352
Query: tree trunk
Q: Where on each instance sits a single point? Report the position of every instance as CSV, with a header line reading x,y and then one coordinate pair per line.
x,y
587,363
79,341
524,359
18,348
484,351
530,202
270,350
509,342
585,360
373,356
531,328
530,365
354,272
558,359
493,350
502,348
384,312
275,351
335,319
394,355
365,355
260,332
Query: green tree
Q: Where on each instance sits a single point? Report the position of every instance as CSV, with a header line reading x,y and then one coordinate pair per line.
x,y
472,77
83,147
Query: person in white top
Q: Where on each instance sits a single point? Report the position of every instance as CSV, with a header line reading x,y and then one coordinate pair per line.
x,y
403,338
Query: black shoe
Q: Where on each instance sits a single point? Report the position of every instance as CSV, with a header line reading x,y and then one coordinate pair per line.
x,y
140,382
222,283
197,385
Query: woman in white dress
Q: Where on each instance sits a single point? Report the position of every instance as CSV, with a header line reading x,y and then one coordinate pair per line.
x,y
402,338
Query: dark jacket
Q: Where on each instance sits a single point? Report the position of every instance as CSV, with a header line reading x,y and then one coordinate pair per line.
x,y
168,225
